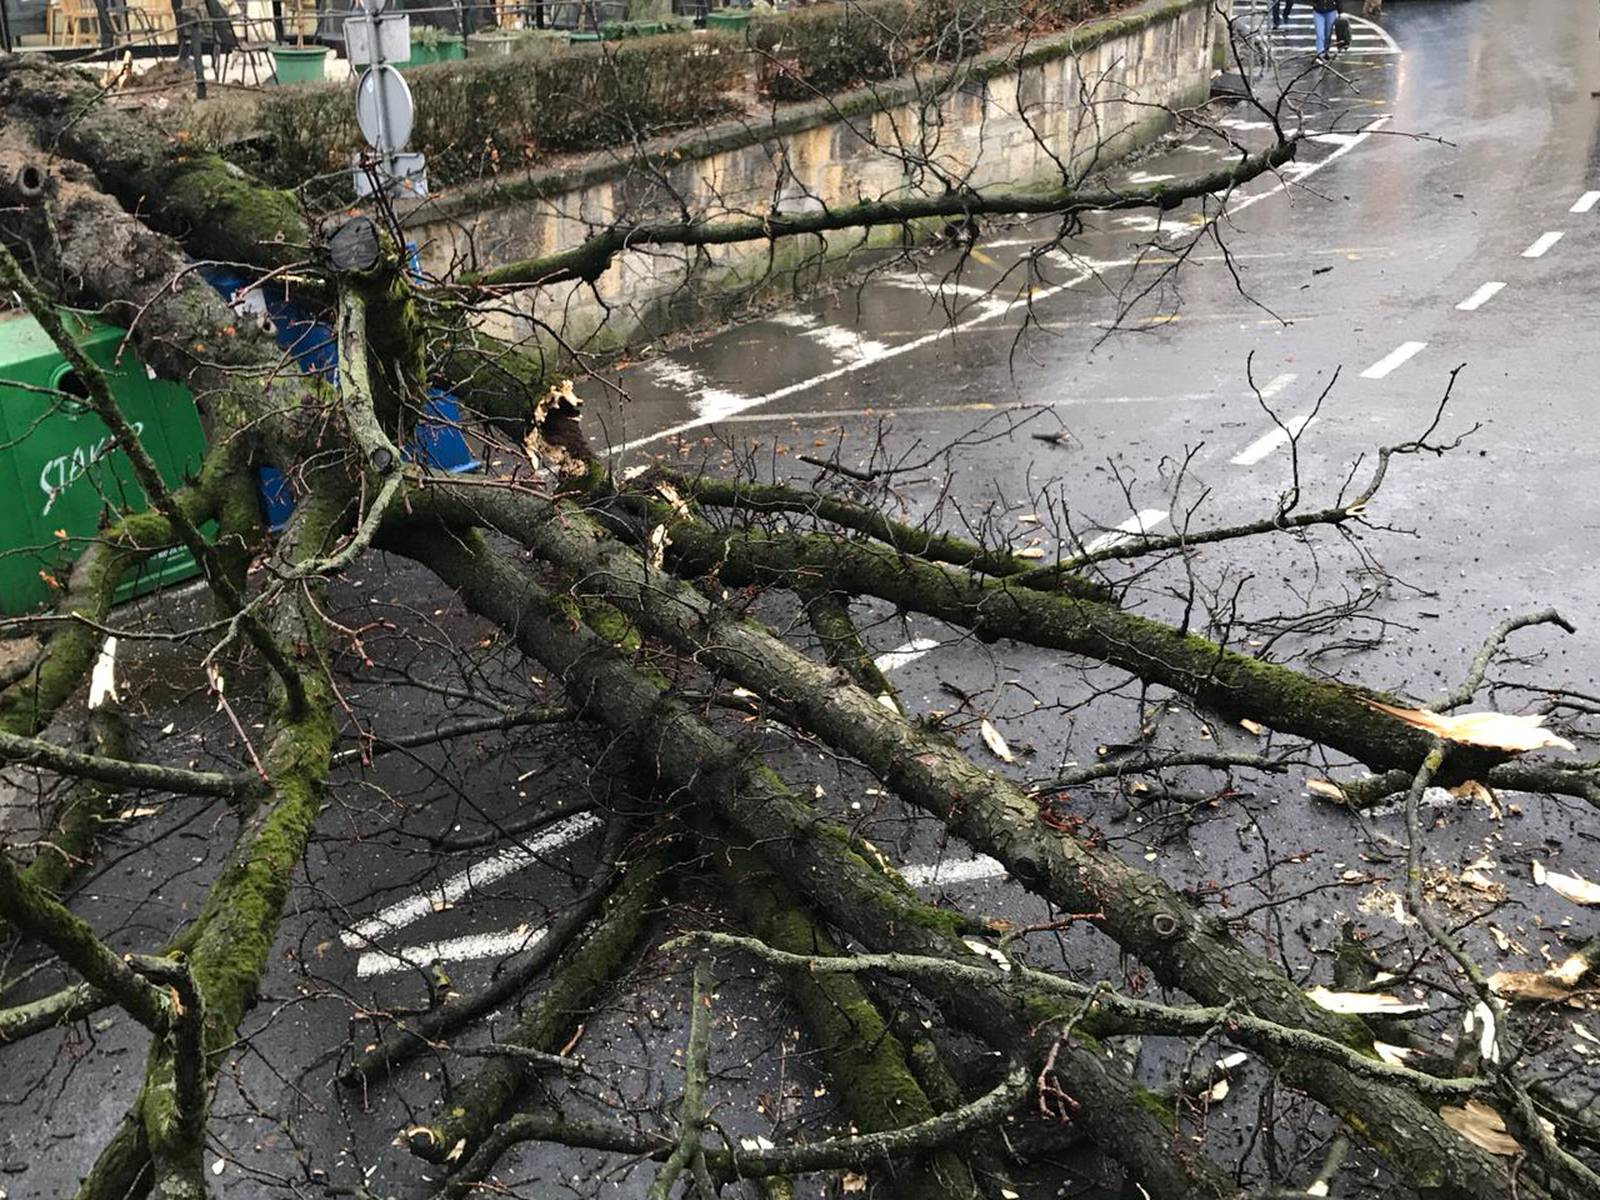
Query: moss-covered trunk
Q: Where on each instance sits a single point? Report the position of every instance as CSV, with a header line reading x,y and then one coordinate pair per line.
x,y
1186,948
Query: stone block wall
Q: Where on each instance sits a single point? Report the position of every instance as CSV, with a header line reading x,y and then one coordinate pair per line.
x,y
1014,118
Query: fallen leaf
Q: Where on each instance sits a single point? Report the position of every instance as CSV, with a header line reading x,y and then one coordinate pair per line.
x,y
1255,727
1482,1017
1494,730
1029,552
1482,1126
852,1181
1573,887
1473,790
1218,1091
129,814
1325,788
1362,1003
996,743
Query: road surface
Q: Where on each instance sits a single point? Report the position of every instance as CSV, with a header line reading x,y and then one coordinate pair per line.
x,y
1446,213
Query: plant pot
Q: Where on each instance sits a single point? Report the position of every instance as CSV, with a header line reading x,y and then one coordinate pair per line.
x,y
613,30
447,48
491,44
299,64
727,20
583,36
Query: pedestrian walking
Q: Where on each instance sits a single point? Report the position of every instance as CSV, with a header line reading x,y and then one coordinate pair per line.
x,y
1280,11
1324,13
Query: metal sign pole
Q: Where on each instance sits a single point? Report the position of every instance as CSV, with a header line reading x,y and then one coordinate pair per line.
x,y
383,101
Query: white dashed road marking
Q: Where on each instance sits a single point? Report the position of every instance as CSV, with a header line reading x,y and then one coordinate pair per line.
x,y
1143,521
1481,297
1585,202
1268,442
1393,359
479,875
901,655
1542,243
987,313
461,949
961,870
1277,384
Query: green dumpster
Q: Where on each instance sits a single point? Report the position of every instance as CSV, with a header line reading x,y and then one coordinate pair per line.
x,y
728,20
61,480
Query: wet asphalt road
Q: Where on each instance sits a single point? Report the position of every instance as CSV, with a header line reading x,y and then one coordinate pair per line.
x,y
1435,173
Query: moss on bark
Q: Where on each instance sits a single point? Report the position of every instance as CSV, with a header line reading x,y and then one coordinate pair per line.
x,y
867,1062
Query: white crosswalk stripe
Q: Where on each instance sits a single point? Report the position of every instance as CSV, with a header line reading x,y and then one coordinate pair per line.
x,y
1298,31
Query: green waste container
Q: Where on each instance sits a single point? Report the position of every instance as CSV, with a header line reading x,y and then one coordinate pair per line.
x,y
61,479
728,20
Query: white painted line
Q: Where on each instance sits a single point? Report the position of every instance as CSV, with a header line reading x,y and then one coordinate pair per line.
x,y
1585,202
1481,297
1142,522
1392,359
846,344
479,875
987,313
965,870
835,414
1267,443
710,402
714,404
461,949
795,320
901,655
1277,384
1542,243
931,286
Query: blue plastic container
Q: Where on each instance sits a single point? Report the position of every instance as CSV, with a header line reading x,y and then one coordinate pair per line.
x,y
438,441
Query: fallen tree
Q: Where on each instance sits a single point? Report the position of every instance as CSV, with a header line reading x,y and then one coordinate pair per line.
x,y
632,597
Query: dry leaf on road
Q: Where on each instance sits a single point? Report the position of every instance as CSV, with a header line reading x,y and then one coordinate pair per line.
x,y
996,743
1573,887
1481,1126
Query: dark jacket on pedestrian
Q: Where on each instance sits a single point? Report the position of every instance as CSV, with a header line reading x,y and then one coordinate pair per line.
x,y
1324,5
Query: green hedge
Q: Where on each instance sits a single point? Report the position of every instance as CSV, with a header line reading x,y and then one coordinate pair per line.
x,y
809,52
503,112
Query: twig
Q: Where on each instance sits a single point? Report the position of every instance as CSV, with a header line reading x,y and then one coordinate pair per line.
x,y
692,1114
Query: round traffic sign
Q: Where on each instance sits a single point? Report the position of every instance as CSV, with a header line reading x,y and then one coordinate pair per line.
x,y
384,109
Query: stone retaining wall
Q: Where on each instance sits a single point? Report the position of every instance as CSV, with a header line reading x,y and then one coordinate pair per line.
x,y
1010,118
